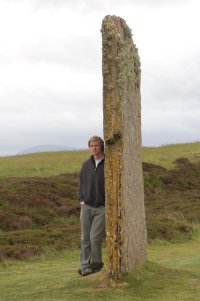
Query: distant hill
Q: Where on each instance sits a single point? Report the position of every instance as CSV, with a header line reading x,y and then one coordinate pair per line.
x,y
45,148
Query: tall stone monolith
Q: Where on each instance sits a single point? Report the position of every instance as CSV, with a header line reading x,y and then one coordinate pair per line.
x,y
125,214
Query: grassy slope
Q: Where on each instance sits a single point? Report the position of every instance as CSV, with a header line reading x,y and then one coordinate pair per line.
x,y
42,164
54,163
167,154
41,214
170,273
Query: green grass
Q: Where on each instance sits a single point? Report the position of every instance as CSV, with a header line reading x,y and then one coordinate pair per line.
x,y
42,164
36,212
54,163
165,155
171,273
30,187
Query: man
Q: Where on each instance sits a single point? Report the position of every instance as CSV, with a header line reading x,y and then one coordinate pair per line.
x,y
92,200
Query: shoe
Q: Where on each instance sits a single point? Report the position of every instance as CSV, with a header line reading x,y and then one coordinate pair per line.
x,y
85,272
96,267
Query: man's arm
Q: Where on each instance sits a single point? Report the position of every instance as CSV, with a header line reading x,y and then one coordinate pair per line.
x,y
80,187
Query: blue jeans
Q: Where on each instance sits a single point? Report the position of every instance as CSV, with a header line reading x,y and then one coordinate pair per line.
x,y
92,234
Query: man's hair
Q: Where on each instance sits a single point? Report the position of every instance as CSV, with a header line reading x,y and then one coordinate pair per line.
x,y
97,138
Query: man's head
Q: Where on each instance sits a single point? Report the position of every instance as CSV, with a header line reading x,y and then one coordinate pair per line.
x,y
96,146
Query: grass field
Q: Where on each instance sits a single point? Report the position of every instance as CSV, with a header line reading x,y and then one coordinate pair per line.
x,y
42,164
165,155
54,163
171,273
39,215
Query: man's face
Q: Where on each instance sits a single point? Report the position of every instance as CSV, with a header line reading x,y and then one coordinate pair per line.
x,y
95,148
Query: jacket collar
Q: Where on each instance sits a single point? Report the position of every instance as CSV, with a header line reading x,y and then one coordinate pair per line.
x,y
93,161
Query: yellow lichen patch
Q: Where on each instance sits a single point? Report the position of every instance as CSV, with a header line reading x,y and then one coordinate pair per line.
x,y
112,209
112,135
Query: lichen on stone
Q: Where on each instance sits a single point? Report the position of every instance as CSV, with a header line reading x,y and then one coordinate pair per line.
x,y
121,97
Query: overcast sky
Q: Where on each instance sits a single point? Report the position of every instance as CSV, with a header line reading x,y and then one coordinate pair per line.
x,y
51,79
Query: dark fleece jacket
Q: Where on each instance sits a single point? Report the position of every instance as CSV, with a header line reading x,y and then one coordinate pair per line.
x,y
91,187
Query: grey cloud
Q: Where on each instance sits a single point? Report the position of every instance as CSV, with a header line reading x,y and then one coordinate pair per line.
x,y
77,53
57,133
81,6
165,136
173,83
175,125
51,87
85,5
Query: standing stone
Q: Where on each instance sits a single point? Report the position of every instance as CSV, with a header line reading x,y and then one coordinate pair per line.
x,y
125,214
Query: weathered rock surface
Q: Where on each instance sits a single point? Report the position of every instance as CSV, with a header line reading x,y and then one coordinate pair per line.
x,y
125,214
